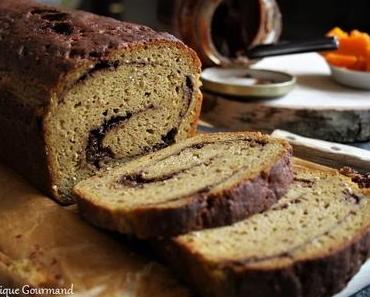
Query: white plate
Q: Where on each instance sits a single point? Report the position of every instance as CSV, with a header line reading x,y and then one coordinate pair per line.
x,y
351,78
247,82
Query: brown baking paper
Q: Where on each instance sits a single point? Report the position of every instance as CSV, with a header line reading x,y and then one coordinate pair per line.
x,y
43,245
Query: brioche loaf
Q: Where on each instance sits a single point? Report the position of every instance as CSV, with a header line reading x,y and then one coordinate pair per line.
x,y
43,245
309,244
208,180
79,91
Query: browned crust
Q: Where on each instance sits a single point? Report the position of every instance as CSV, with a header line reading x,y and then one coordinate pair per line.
x,y
44,50
41,36
362,179
200,211
22,147
197,110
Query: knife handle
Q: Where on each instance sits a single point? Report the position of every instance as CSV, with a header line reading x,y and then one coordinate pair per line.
x,y
327,153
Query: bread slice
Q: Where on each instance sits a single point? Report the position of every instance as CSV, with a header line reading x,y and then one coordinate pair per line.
x,y
79,91
208,180
310,243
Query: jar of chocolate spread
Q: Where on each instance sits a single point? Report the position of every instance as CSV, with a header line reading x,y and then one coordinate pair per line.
x,y
221,30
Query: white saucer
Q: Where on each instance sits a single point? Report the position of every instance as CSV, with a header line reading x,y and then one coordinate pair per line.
x,y
247,82
351,78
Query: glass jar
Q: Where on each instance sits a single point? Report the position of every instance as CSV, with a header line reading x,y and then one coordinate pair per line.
x,y
221,30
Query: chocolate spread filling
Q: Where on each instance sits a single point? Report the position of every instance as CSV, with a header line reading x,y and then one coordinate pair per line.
x,y
95,151
139,179
352,197
188,95
306,183
102,65
167,139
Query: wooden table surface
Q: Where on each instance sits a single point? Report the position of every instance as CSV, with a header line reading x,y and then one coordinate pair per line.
x,y
317,107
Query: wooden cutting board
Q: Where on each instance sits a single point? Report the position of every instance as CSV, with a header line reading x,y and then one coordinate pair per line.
x,y
317,107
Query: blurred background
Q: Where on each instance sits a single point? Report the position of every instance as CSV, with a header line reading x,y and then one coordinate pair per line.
x,y
222,32
301,18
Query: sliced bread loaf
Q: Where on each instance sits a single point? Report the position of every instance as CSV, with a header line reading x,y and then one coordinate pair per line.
x,y
79,91
308,244
208,180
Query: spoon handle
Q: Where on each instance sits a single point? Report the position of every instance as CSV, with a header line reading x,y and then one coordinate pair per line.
x,y
293,47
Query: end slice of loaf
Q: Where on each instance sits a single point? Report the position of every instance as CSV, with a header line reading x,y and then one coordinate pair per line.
x,y
208,180
308,244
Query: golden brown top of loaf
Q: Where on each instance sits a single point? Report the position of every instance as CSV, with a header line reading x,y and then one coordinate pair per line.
x,y
41,44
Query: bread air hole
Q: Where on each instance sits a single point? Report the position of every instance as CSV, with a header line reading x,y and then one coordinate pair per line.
x,y
63,28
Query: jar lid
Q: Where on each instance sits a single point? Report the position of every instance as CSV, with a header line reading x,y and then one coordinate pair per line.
x,y
247,82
